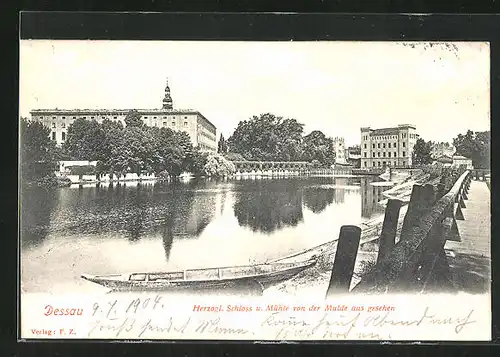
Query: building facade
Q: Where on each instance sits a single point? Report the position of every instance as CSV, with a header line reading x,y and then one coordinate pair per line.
x,y
200,130
459,160
388,146
441,149
353,156
339,146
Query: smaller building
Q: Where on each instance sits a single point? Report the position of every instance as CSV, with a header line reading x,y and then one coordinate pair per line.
x,y
64,166
459,160
445,160
353,156
339,147
442,149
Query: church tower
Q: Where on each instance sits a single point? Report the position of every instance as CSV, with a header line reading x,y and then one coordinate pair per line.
x,y
167,100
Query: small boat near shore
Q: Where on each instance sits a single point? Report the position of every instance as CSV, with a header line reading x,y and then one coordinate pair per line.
x,y
262,275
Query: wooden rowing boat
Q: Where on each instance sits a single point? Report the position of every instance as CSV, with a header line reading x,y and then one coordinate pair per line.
x,y
264,275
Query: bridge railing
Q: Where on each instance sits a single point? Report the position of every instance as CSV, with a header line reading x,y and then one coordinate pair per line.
x,y
280,167
417,262
480,174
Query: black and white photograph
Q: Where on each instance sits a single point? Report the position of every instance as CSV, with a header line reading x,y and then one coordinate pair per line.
x,y
241,170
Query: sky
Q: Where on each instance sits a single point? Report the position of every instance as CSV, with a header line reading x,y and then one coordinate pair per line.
x,y
336,87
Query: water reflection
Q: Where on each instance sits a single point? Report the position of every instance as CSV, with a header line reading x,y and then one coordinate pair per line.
x,y
135,210
183,210
36,207
267,206
167,238
318,198
170,226
370,197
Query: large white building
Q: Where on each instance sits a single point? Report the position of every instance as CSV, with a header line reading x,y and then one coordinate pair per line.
x,y
201,131
388,146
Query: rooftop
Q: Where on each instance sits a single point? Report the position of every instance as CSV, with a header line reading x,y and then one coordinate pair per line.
x,y
385,131
160,110
118,111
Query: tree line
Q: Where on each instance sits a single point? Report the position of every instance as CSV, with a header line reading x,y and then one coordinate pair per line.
x,y
268,137
117,149
472,145
134,147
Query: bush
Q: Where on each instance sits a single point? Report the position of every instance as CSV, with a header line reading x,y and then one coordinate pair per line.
x,y
63,181
234,157
163,175
218,166
315,163
433,171
48,181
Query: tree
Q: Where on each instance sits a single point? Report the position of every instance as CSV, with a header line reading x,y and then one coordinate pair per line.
x,y
84,140
475,146
317,147
222,145
196,162
112,133
267,137
133,119
140,147
38,154
482,158
172,151
465,144
422,152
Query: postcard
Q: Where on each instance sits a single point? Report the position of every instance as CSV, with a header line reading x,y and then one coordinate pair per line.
x,y
257,191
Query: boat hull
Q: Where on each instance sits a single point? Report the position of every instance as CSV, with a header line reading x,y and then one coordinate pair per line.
x,y
260,282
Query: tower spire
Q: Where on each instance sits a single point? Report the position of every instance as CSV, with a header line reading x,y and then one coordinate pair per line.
x,y
167,100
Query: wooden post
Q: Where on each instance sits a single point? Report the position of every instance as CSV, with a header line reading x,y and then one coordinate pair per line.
x,y
415,198
458,212
422,198
435,271
389,228
345,258
440,191
461,201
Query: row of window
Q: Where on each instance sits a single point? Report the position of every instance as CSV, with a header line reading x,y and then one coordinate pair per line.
x,y
208,126
387,137
383,154
394,145
146,117
63,117
208,136
205,147
104,117
173,124
380,137
383,163
63,125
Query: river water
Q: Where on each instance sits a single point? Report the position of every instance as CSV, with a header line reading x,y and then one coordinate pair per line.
x,y
169,226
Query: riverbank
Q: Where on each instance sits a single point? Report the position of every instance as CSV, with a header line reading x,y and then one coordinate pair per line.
x,y
316,279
